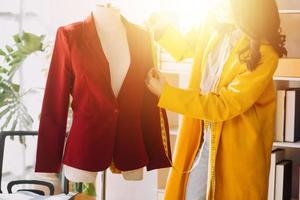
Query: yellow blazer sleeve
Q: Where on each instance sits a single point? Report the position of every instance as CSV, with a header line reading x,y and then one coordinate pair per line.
x,y
232,100
177,45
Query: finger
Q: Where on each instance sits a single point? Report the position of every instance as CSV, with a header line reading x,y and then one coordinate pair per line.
x,y
156,73
149,86
150,80
152,73
152,89
149,74
147,80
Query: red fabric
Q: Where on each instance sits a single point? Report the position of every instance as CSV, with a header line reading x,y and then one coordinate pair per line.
x,y
125,130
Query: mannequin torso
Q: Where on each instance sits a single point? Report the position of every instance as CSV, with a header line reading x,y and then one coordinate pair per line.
x,y
113,38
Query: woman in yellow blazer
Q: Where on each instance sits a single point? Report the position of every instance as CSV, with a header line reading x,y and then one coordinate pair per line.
x,y
238,112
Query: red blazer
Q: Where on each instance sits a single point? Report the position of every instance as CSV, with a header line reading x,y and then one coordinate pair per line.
x,y
125,130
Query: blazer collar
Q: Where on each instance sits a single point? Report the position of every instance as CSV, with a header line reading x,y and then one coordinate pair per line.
x,y
90,31
92,39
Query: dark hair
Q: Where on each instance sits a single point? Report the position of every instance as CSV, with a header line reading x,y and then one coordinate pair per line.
x,y
259,19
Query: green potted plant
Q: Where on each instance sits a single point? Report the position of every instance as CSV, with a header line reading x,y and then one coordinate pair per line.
x,y
13,113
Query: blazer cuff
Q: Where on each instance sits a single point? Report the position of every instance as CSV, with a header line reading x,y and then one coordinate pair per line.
x,y
168,97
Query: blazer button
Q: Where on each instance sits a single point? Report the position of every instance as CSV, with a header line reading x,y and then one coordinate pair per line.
x,y
116,111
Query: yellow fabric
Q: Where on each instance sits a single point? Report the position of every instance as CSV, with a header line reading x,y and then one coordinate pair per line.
x,y
114,169
184,47
242,112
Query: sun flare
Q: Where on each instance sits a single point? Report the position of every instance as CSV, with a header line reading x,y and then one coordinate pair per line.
x,y
191,12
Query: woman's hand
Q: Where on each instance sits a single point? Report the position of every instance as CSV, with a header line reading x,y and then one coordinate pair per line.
x,y
155,81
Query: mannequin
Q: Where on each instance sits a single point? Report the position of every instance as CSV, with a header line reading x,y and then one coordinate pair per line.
x,y
113,38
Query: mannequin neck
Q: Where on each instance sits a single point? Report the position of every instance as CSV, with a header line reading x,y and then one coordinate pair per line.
x,y
106,16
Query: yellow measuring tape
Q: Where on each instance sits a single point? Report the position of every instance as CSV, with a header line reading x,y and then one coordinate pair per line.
x,y
165,144
164,135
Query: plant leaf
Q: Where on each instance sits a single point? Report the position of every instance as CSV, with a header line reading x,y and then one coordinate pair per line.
x,y
11,107
2,70
5,111
2,53
3,101
7,58
24,125
17,54
26,118
12,71
16,87
8,119
17,38
9,48
17,61
14,125
32,42
5,86
22,139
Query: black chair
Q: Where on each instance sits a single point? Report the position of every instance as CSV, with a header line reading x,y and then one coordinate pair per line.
x,y
34,182
11,184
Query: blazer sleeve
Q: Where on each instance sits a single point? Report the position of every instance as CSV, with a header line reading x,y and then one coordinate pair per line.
x,y
152,133
52,128
232,100
177,45
151,122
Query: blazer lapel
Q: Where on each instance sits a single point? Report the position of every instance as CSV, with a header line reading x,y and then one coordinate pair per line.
x,y
132,49
93,42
